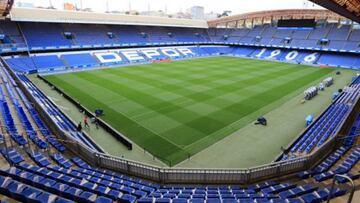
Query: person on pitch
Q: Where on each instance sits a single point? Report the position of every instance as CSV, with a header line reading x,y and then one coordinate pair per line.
x,y
86,122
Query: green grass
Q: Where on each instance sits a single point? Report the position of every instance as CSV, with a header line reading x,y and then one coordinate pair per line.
x,y
177,109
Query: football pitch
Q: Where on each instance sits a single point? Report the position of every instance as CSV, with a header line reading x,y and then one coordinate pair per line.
x,y
174,110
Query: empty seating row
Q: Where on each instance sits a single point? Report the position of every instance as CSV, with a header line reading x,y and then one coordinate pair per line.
x,y
12,155
70,61
326,164
345,161
59,118
344,167
321,130
76,189
62,36
326,125
26,193
276,193
40,124
53,36
89,185
341,37
39,158
10,124
29,129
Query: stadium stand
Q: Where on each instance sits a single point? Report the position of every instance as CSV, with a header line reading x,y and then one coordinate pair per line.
x,y
43,35
327,124
62,61
52,36
61,120
97,37
85,183
341,161
10,37
78,60
39,63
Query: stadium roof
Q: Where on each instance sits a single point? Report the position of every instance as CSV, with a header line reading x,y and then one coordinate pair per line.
x,y
56,16
347,8
318,14
5,6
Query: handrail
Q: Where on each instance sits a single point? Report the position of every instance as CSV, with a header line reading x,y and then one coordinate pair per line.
x,y
333,185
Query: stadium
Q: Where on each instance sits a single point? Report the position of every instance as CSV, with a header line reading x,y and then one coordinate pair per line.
x,y
255,107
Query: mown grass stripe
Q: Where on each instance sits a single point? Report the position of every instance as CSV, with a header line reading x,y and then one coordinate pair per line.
x,y
179,108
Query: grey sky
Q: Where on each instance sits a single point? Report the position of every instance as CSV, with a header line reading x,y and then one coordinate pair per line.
x,y
237,6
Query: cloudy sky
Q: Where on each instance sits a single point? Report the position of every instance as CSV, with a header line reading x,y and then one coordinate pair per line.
x,y
172,6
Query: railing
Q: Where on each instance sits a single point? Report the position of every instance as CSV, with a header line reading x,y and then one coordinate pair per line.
x,y
335,179
199,176
166,175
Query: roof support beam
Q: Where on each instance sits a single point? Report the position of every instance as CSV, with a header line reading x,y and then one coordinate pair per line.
x,y
333,6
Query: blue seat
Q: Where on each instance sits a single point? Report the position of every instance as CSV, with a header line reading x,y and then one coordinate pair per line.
x,y
101,190
196,200
169,195
29,192
72,193
289,200
62,200
179,200
213,195
49,183
44,198
162,200
58,188
80,163
139,194
114,194
198,196
335,193
227,196
61,160
88,196
304,174
12,156
13,188
102,199
312,198
213,200
324,176
40,159
145,200
246,200
229,201
184,196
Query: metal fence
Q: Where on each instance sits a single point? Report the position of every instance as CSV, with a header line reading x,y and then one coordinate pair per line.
x,y
212,176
